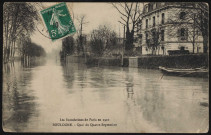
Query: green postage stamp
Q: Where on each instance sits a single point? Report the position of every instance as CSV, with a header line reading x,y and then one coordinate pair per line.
x,y
58,21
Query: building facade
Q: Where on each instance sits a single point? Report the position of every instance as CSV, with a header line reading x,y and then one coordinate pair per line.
x,y
169,26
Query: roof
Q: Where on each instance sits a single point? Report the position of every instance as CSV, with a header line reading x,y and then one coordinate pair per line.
x,y
155,6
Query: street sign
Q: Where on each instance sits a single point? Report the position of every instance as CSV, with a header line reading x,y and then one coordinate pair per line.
x,y
58,21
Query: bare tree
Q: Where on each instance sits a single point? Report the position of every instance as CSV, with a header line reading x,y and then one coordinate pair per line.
x,y
202,22
130,18
17,18
82,22
154,40
190,20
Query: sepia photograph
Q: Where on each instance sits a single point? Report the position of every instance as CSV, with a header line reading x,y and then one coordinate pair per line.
x,y
105,67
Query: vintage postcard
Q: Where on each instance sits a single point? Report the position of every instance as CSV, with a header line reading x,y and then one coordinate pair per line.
x,y
112,67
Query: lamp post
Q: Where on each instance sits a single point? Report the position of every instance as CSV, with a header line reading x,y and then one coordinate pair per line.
x,y
85,50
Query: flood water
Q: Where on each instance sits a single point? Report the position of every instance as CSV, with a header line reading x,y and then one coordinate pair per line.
x,y
129,99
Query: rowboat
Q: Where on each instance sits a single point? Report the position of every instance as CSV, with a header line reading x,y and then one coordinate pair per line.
x,y
194,72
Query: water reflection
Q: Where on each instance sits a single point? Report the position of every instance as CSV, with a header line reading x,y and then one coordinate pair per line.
x,y
170,100
18,100
32,62
68,74
137,100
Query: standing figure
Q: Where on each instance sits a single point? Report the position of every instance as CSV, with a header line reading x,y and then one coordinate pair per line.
x,y
62,29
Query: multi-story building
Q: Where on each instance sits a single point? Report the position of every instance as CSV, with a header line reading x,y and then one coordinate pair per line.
x,y
169,26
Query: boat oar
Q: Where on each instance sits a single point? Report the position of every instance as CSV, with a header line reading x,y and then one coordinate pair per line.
x,y
161,76
163,73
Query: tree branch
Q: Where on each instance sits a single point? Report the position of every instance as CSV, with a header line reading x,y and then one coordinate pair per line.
x,y
121,23
118,10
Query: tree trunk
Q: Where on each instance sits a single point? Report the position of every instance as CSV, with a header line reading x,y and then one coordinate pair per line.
x,y
205,43
129,40
13,49
6,38
193,48
158,50
8,53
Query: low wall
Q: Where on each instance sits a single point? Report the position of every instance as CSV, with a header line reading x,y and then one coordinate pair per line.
x,y
180,61
75,59
104,61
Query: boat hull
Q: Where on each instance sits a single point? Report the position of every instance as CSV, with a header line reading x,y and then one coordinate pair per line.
x,y
185,72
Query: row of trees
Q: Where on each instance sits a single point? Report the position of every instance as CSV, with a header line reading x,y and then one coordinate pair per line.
x,y
18,24
30,49
101,40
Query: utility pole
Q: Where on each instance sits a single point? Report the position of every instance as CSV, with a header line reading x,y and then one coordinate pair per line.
x,y
119,30
85,49
123,47
193,31
81,38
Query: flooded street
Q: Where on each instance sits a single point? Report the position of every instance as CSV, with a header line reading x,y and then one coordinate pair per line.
x,y
130,99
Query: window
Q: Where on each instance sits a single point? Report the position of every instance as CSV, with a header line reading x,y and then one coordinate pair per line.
x,y
162,47
198,33
183,34
182,48
163,18
153,34
154,6
147,39
146,23
150,7
182,15
153,21
140,41
162,35
146,36
146,8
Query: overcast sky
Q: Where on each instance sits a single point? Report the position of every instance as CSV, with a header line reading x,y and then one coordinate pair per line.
x,y
96,14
